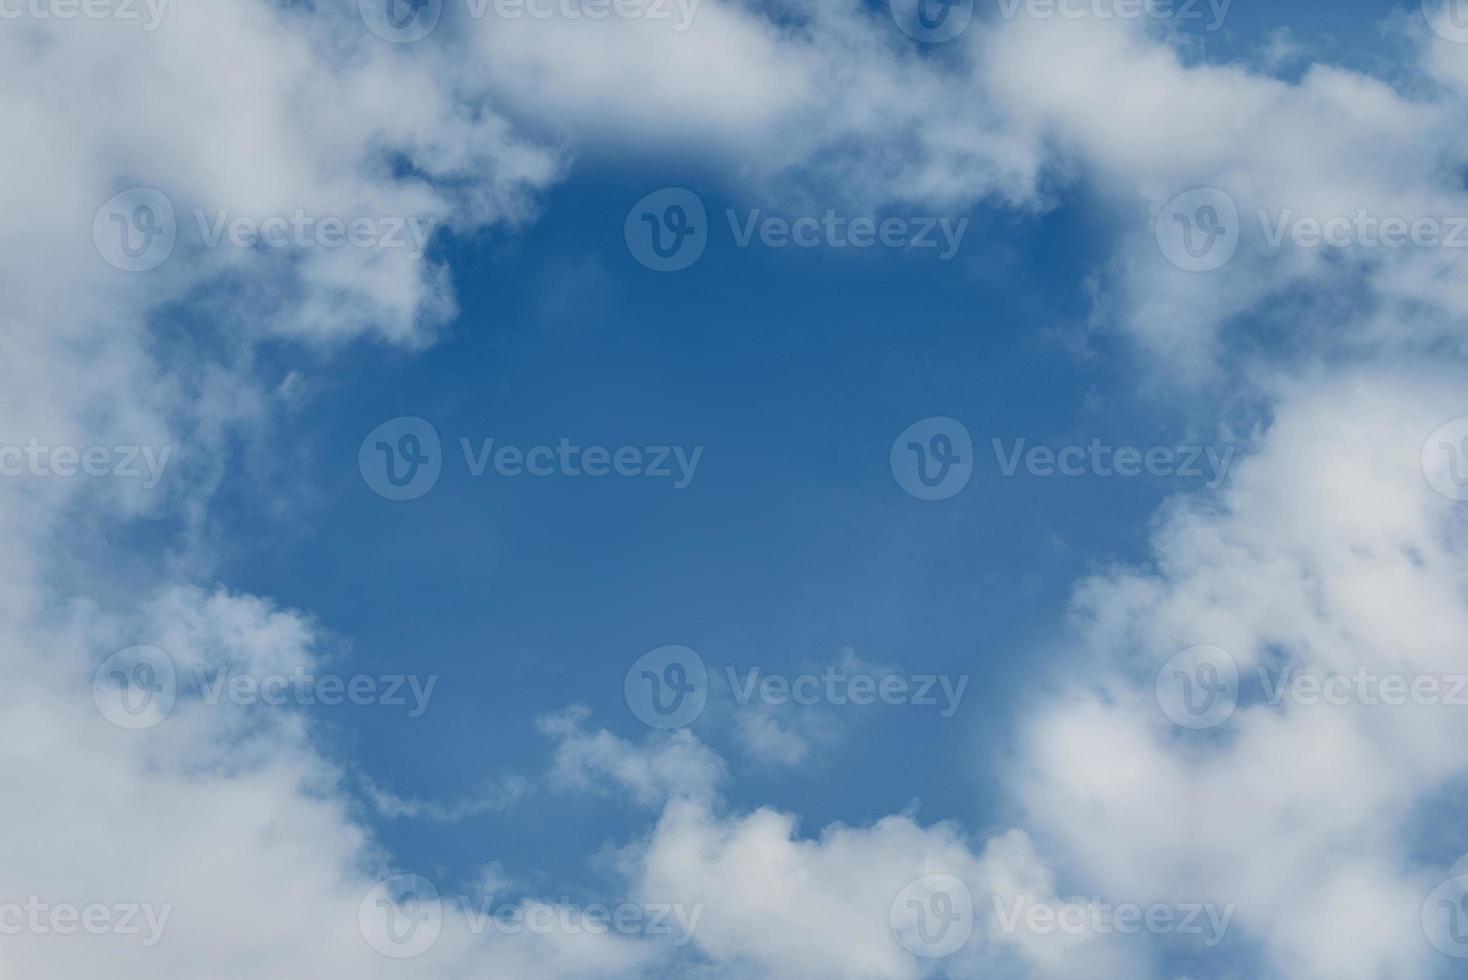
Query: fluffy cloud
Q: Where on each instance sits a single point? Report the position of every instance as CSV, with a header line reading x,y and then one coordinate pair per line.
x,y
1329,551
1330,555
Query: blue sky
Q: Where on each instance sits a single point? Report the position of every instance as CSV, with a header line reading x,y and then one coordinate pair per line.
x,y
795,371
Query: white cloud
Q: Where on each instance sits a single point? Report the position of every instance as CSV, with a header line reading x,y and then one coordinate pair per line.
x,y
1329,548
664,765
1330,553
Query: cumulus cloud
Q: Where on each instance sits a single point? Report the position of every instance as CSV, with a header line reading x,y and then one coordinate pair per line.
x,y
1330,556
1330,551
